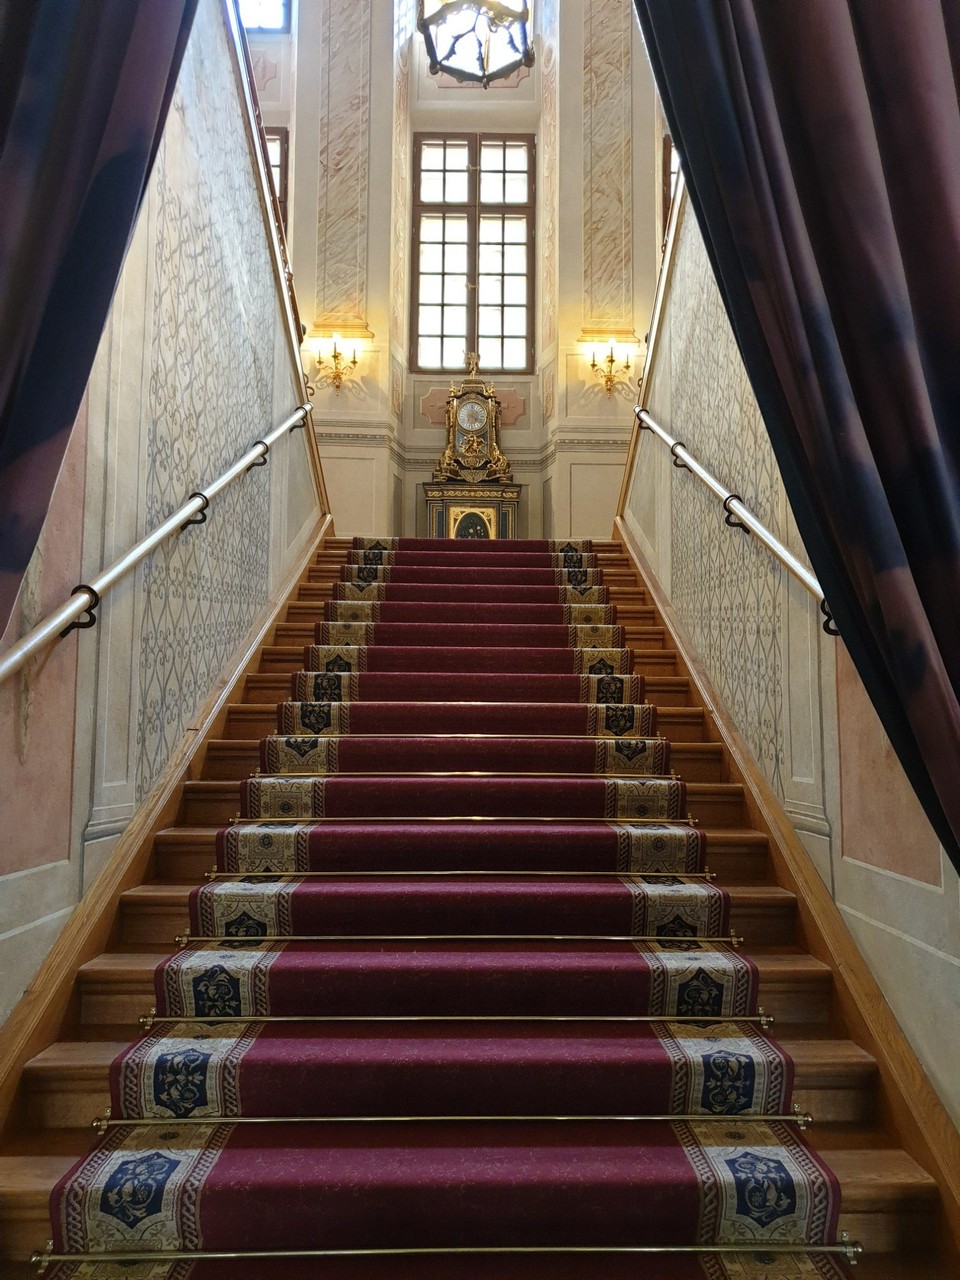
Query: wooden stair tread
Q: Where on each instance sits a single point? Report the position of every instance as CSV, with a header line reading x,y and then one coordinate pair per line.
x,y
814,1059
257,719
738,853
872,1179
241,756
157,910
274,686
230,787
218,801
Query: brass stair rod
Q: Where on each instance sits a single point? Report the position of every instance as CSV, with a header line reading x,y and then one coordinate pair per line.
x,y
215,874
184,939
238,819
850,1250
800,1118
149,1020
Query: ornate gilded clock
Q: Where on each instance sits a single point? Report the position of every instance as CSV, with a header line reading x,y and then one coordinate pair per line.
x,y
472,452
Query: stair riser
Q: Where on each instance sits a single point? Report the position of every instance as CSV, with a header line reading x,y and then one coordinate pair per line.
x,y
119,999
188,863
201,810
257,721
143,925
300,633
497,574
321,585
648,662
73,1103
891,1226
307,613
227,761
270,688
900,1228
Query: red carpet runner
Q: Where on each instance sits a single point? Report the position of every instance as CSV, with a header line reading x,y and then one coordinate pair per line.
x,y
461,960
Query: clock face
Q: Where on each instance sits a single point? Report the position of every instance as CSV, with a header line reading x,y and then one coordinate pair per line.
x,y
472,415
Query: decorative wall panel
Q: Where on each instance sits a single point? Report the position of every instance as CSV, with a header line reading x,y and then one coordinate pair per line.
x,y
400,189
549,175
341,295
607,167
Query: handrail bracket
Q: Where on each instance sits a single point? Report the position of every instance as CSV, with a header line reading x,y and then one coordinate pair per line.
x,y
89,617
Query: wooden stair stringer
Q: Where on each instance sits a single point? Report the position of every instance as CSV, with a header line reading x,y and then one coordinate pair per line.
x,y
908,1103
49,1003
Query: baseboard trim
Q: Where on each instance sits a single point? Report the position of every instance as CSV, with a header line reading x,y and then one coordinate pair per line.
x,y
909,1104
37,1019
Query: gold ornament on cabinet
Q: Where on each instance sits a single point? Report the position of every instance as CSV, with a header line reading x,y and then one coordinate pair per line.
x,y
473,422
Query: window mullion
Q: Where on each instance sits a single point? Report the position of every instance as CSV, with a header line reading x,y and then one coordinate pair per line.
x,y
473,277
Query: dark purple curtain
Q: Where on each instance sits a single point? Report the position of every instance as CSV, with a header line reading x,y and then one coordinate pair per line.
x,y
84,91
820,141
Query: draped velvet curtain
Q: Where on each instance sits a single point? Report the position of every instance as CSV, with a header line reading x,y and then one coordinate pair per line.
x,y
820,140
84,91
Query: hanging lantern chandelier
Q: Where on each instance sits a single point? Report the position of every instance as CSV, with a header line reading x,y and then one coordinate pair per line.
x,y
476,42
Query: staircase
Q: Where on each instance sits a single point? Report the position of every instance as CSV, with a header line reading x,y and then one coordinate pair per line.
x,y
525,908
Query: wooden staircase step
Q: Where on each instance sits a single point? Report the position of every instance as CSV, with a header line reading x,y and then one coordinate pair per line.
x,y
68,1084
628,614
237,758
257,720
117,986
604,546
719,804
887,1201
272,687
186,854
289,658
301,632
612,560
156,913
319,587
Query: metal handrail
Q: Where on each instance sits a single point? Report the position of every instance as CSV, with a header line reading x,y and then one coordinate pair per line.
x,y
86,597
738,515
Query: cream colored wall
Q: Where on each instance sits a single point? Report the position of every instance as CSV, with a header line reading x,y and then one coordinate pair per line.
x,y
353,85
193,367
791,689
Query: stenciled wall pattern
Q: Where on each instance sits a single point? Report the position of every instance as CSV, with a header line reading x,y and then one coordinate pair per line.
x,y
195,365
726,588
790,689
201,593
